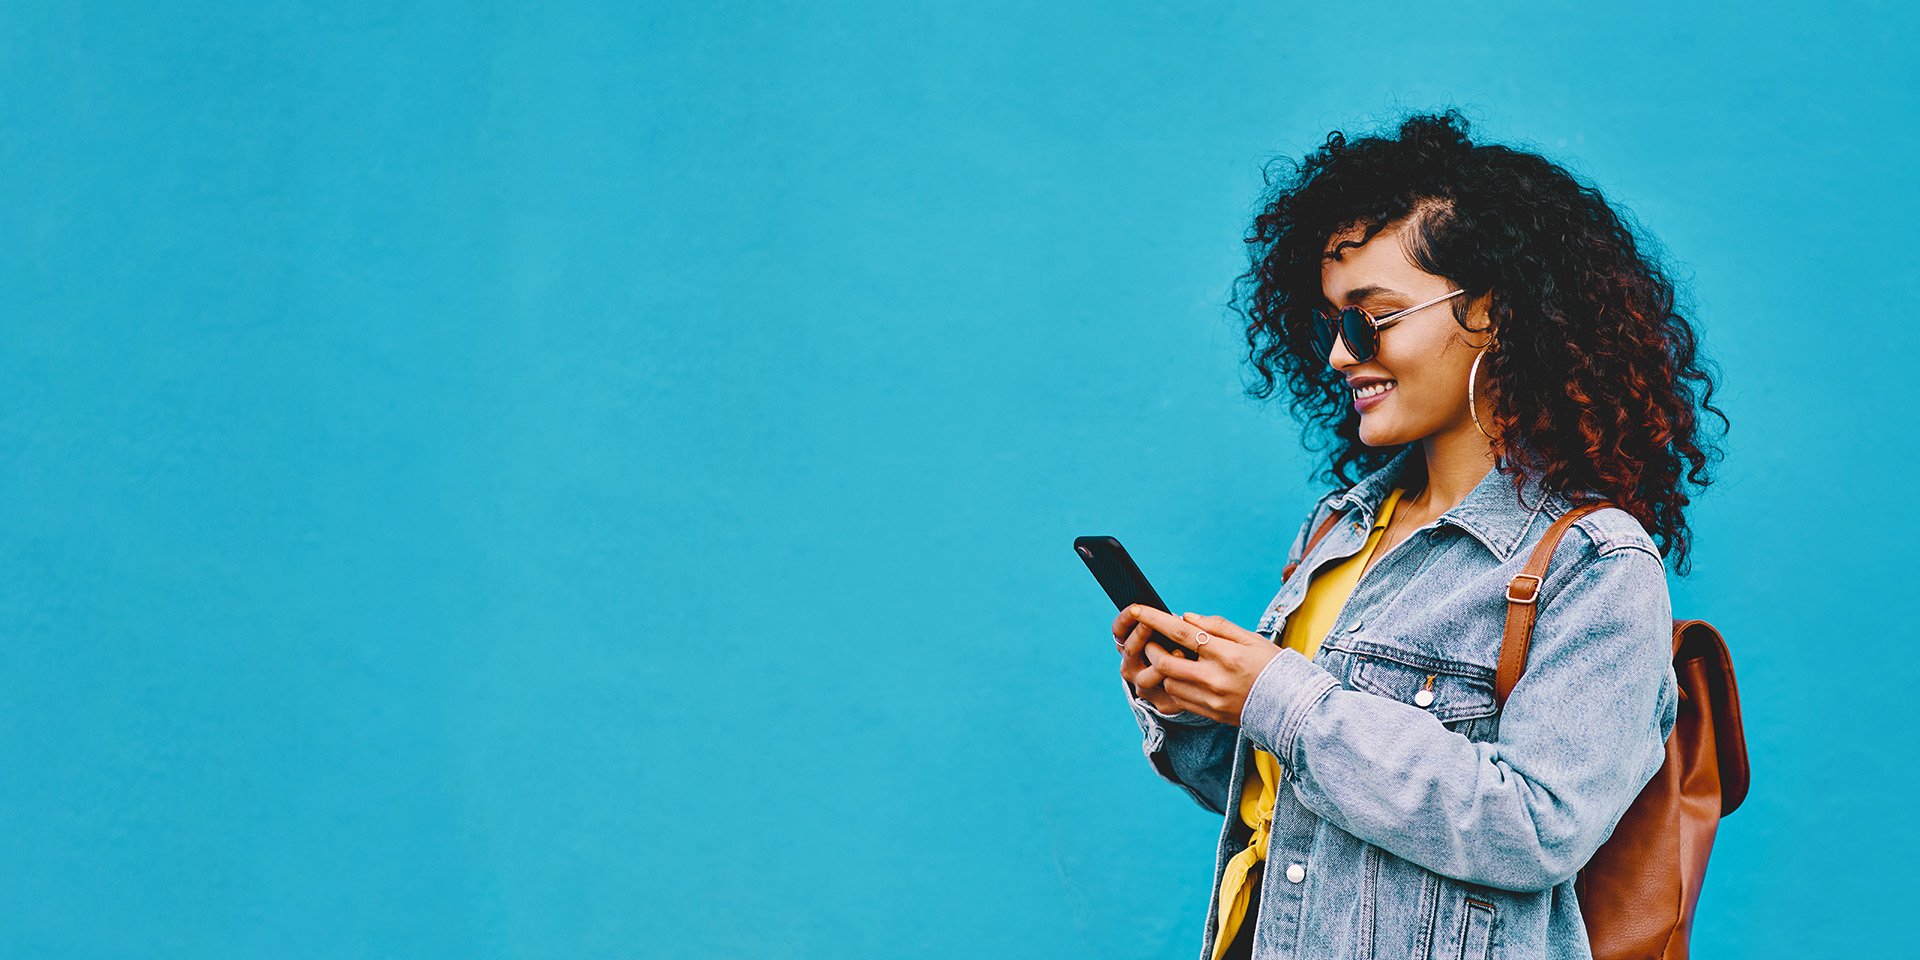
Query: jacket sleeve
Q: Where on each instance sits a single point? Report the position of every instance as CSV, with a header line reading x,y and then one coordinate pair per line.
x,y
1582,732
1189,750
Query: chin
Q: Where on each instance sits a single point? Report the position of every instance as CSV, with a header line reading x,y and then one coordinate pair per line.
x,y
1379,435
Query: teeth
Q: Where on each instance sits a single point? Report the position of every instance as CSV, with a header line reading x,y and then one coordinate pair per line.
x,y
1372,389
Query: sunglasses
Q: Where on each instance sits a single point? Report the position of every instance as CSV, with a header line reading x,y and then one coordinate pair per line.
x,y
1358,329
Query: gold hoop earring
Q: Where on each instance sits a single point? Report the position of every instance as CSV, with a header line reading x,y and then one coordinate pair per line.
x,y
1473,408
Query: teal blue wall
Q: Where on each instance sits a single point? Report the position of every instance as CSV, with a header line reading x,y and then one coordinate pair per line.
x,y
596,480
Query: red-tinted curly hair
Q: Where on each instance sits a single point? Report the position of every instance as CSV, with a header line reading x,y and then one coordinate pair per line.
x,y
1597,375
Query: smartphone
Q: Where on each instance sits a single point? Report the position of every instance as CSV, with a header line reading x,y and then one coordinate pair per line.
x,y
1125,585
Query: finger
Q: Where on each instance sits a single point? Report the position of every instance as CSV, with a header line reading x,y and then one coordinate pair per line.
x,y
1152,674
1189,694
1164,701
1125,620
1167,665
1222,627
1130,644
1174,666
1139,631
1171,627
1148,677
1160,620
1133,658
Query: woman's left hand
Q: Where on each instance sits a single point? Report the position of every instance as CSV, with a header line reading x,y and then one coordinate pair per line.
x,y
1214,686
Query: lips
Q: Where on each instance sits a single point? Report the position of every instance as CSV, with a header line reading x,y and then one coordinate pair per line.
x,y
1372,393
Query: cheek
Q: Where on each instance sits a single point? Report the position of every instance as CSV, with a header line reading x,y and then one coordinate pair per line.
x,y
1432,379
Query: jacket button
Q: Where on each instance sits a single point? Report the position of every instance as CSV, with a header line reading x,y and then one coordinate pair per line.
x,y
1296,873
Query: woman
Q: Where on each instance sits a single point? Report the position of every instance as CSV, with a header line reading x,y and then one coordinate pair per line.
x,y
1513,353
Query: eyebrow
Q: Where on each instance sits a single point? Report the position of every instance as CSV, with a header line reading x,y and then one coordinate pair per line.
x,y
1358,294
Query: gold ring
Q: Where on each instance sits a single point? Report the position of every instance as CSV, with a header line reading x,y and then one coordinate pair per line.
x,y
1200,639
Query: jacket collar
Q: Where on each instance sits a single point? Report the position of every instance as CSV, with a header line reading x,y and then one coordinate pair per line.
x,y
1491,512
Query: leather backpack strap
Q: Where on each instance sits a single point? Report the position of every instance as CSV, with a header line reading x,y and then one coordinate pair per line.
x,y
1523,595
1313,541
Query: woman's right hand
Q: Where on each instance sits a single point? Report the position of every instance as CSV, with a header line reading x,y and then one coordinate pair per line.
x,y
1135,658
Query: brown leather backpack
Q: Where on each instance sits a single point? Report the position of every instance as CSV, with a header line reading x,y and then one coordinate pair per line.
x,y
1638,892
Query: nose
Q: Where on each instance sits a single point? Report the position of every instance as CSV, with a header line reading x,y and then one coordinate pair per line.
x,y
1340,358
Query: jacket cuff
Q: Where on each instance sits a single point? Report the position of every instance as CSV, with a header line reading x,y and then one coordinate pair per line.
x,y
1152,734
1187,717
1277,703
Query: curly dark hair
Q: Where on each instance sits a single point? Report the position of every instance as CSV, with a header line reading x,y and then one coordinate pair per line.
x,y
1596,371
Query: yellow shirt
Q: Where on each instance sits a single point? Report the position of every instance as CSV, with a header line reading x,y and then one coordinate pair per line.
x,y
1304,630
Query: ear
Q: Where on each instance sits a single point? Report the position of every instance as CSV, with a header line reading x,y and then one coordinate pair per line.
x,y
1488,332
1482,307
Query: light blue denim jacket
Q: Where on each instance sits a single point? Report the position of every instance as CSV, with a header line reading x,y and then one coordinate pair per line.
x,y
1455,829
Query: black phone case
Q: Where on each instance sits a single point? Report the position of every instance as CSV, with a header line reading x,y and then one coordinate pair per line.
x,y
1125,585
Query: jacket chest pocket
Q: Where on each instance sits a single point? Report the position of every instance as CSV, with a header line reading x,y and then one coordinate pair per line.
x,y
1459,695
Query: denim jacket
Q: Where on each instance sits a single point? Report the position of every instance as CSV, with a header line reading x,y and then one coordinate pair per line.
x,y
1453,829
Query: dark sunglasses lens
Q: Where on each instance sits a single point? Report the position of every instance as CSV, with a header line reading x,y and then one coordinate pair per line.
x,y
1323,328
1359,333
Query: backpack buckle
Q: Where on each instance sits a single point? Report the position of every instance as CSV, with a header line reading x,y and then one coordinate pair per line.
x,y
1532,594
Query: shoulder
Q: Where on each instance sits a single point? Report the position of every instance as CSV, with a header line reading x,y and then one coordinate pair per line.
x,y
1605,531
1603,552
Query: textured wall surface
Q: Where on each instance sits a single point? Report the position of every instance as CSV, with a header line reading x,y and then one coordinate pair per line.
x,y
597,479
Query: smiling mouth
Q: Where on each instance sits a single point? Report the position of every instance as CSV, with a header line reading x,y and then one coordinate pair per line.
x,y
1374,389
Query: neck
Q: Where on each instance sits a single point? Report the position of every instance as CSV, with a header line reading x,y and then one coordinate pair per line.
x,y
1453,464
